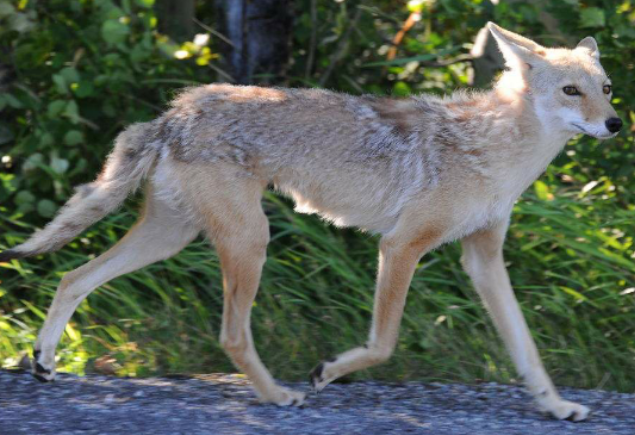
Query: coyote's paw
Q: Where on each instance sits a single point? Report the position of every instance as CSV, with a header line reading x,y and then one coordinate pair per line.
x,y
319,377
283,396
565,410
42,371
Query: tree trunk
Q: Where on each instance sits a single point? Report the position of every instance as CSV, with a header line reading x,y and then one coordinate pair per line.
x,y
260,32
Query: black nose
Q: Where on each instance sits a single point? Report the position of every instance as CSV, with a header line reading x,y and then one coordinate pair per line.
x,y
613,124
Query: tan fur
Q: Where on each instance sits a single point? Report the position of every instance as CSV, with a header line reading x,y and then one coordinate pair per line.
x,y
420,171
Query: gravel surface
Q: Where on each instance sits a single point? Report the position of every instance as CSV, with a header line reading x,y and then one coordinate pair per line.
x,y
224,404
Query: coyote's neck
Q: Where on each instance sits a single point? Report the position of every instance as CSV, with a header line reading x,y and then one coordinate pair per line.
x,y
495,134
522,147
516,114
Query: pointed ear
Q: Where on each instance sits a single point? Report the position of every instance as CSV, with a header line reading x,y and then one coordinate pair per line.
x,y
589,45
517,50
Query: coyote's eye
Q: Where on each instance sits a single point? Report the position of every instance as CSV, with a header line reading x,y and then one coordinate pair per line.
x,y
571,90
607,89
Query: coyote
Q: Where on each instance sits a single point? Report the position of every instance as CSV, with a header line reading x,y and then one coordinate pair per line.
x,y
419,171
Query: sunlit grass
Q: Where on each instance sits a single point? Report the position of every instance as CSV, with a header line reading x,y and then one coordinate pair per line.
x,y
570,256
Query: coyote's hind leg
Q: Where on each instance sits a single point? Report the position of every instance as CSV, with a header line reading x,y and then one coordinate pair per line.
x,y
159,234
239,229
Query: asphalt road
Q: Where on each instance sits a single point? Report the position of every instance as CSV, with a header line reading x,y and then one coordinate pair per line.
x,y
224,404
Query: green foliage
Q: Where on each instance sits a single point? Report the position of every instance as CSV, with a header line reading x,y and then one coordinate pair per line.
x,y
84,69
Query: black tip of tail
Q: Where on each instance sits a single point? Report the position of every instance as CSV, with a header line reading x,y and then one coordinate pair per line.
x,y
11,254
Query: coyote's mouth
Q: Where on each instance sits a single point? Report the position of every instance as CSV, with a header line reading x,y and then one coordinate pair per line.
x,y
582,129
597,136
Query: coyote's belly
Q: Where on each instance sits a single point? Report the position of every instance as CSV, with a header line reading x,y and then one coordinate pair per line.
x,y
357,212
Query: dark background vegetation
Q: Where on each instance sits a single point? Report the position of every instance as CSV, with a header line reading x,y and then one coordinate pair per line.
x,y
74,73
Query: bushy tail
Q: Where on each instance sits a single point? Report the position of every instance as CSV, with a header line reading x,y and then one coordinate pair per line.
x,y
129,163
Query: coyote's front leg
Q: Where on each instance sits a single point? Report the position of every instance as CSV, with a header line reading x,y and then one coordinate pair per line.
x,y
483,260
398,257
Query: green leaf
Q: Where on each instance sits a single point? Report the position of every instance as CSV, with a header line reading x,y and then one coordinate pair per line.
x,y
625,31
73,137
139,53
6,9
13,101
401,89
70,75
72,111
84,89
24,197
46,208
114,32
577,295
592,17
46,140
33,162
145,3
59,165
20,23
61,84
55,108
542,191
6,135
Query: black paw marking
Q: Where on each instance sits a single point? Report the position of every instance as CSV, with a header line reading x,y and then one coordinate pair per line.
x,y
40,369
573,417
315,377
40,378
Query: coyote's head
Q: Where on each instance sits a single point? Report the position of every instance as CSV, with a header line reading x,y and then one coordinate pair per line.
x,y
569,89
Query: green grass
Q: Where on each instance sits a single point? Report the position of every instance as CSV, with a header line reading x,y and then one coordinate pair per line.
x,y
570,260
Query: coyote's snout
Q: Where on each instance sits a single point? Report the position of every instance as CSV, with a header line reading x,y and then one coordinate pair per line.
x,y
421,172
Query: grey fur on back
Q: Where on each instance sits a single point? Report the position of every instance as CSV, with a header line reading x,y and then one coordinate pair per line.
x,y
271,129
